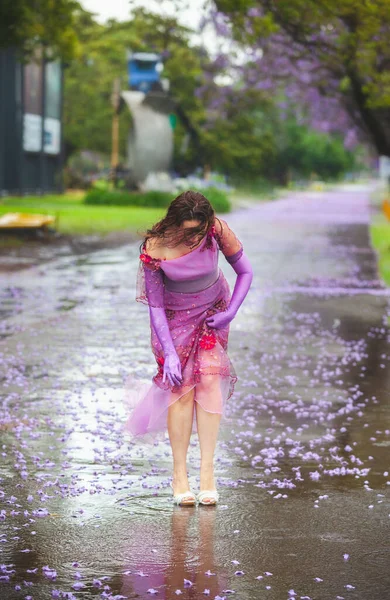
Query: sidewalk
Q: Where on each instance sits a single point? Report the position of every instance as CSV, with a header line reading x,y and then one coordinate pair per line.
x,y
302,469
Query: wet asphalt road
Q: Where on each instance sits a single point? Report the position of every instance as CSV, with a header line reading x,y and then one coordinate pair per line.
x,y
302,467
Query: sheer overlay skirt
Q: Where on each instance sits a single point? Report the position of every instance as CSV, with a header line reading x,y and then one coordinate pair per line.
x,y
205,364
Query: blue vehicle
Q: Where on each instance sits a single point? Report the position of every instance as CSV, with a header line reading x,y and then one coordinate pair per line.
x,y
144,70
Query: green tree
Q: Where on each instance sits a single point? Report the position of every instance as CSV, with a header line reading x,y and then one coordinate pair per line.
x,y
28,25
302,152
239,142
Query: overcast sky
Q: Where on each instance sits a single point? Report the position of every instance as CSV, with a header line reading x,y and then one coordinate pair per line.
x,y
190,13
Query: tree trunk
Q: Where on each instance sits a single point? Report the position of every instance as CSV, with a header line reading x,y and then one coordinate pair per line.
x,y
376,121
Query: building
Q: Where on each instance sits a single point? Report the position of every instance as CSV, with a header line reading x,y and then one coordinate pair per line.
x,y
31,132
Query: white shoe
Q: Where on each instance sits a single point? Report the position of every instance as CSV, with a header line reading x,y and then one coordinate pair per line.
x,y
212,494
185,498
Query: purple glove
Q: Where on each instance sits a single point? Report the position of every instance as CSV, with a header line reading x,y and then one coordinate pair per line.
x,y
154,286
244,272
172,367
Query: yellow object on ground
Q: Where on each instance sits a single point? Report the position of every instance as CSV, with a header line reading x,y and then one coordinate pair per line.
x,y
386,207
25,220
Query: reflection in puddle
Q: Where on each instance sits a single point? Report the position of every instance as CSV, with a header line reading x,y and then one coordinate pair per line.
x,y
183,560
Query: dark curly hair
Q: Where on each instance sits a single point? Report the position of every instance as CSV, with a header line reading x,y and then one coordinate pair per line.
x,y
188,206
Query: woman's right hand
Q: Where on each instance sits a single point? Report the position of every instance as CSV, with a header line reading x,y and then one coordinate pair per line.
x,y
172,369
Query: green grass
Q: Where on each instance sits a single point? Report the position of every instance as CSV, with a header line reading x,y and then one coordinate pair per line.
x,y
380,239
74,217
380,232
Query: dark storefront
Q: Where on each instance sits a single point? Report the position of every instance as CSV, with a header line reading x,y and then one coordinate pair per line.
x,y
31,147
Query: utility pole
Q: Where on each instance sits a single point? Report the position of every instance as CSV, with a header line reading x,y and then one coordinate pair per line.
x,y
115,101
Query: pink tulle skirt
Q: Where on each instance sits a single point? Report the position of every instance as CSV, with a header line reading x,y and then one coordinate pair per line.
x,y
205,364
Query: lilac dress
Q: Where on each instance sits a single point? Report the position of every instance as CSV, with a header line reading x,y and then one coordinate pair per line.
x,y
191,288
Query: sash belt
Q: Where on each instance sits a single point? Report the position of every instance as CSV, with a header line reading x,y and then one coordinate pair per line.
x,y
193,285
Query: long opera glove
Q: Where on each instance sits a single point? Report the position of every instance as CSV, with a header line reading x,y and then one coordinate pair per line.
x,y
172,367
154,288
243,268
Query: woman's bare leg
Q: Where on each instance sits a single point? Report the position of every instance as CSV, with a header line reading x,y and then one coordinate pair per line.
x,y
208,428
180,416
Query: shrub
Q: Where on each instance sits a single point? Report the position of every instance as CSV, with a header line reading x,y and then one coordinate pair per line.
x,y
217,198
103,185
118,198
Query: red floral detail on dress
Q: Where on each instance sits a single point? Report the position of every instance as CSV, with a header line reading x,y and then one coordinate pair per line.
x,y
149,261
160,363
208,340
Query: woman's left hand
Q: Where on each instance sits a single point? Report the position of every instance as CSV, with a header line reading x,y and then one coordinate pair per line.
x,y
219,320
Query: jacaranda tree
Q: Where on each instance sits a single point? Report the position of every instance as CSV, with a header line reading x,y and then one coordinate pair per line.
x,y
328,60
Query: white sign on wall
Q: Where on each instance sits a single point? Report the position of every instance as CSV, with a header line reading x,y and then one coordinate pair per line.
x,y
384,167
32,134
52,136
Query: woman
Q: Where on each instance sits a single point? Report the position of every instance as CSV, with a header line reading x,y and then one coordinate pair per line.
x,y
190,309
